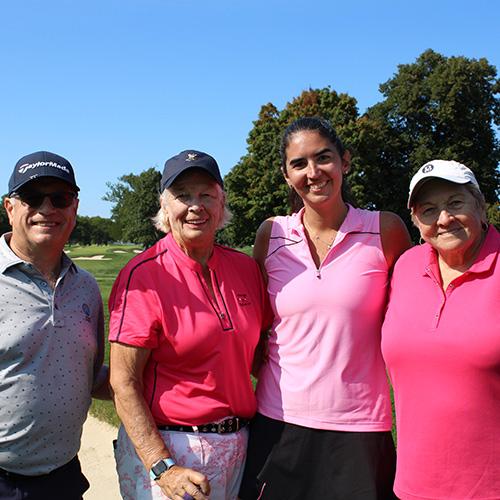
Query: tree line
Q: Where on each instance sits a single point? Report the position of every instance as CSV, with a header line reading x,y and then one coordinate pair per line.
x,y
437,107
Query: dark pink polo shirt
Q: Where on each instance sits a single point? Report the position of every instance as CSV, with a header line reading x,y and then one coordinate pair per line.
x,y
201,349
442,350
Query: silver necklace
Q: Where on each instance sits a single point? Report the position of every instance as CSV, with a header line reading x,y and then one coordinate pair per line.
x,y
328,245
318,238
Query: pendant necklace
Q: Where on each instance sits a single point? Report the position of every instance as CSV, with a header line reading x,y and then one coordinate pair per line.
x,y
317,238
328,245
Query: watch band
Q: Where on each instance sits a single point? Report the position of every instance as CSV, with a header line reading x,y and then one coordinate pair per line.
x,y
158,468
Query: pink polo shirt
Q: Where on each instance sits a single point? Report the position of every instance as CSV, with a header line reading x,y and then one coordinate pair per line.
x,y
442,350
325,367
201,349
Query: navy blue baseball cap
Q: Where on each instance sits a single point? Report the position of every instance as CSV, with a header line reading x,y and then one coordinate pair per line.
x,y
186,160
41,164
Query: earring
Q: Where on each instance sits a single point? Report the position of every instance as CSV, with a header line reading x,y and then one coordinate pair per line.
x,y
421,241
484,226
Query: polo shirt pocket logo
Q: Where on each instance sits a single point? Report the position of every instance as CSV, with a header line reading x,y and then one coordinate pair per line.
x,y
86,312
242,299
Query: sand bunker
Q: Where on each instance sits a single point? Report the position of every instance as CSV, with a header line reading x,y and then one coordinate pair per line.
x,y
94,257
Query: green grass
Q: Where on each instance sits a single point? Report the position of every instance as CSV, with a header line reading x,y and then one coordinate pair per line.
x,y
105,272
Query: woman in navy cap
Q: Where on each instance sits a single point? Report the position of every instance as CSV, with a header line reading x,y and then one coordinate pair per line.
x,y
186,316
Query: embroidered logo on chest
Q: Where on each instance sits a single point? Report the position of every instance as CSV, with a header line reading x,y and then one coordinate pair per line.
x,y
243,299
86,312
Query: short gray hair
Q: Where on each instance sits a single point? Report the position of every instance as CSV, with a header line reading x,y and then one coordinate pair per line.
x,y
162,224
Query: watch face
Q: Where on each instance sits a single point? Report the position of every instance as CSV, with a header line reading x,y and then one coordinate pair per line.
x,y
159,468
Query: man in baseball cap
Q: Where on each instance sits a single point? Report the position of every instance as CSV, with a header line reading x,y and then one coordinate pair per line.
x,y
51,336
38,165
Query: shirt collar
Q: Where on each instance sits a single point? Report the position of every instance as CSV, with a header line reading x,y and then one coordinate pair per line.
x,y
187,261
351,223
9,259
483,263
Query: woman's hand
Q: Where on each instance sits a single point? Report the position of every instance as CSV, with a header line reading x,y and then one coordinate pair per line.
x,y
180,483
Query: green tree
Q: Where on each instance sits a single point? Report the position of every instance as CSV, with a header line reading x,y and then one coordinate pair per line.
x,y
437,107
255,186
135,199
4,220
94,230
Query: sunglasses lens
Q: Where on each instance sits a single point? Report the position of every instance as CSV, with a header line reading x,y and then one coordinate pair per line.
x,y
59,199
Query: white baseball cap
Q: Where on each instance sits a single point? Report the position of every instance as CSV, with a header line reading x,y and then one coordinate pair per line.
x,y
448,170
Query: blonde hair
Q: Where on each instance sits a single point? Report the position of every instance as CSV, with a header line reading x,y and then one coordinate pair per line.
x,y
161,222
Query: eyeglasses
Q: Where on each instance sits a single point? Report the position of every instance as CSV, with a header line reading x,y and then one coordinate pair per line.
x,y
59,199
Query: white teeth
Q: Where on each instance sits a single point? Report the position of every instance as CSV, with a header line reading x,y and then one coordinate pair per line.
x,y
317,187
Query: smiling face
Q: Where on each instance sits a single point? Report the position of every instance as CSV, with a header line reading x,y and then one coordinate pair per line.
x,y
195,207
36,230
448,217
314,168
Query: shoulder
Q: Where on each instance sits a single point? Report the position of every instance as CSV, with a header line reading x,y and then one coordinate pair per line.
x,y
414,257
395,237
262,237
265,229
145,259
83,274
234,255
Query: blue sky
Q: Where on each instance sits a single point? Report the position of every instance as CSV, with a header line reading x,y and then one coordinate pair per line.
x,y
118,86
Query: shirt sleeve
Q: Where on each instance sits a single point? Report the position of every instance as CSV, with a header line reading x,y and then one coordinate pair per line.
x,y
134,311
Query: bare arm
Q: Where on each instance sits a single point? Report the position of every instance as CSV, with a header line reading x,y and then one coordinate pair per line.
x,y
395,237
127,368
260,249
101,384
261,245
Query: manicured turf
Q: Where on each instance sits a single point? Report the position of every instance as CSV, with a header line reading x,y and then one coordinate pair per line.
x,y
105,271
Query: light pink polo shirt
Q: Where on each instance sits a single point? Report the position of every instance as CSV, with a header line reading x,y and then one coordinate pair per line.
x,y
325,367
443,354
201,349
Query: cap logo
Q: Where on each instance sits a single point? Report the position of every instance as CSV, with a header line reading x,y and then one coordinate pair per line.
x,y
191,156
427,168
28,166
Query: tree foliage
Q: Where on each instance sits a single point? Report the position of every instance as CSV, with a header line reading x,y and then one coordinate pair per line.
x,y
94,230
255,186
4,220
437,107
135,199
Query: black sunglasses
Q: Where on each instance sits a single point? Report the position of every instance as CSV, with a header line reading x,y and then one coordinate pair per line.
x,y
59,199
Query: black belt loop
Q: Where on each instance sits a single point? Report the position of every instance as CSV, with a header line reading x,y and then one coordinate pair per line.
x,y
233,424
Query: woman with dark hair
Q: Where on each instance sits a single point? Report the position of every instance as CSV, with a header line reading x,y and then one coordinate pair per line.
x,y
324,412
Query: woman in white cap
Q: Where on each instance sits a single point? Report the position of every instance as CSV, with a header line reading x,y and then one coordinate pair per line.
x,y
441,342
186,316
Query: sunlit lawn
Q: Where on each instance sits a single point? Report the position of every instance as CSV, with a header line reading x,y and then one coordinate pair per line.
x,y
105,272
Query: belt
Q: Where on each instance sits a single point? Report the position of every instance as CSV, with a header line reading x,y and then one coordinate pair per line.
x,y
233,424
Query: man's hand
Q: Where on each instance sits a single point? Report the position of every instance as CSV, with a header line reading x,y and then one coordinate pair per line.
x,y
180,483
